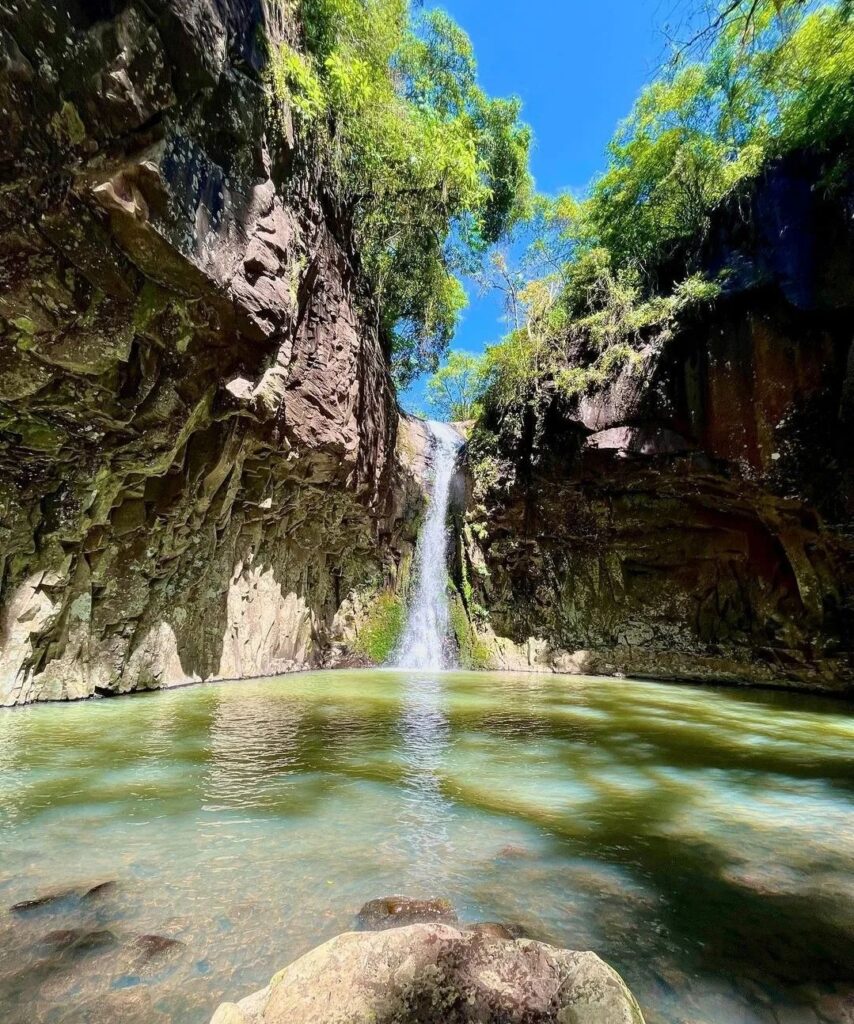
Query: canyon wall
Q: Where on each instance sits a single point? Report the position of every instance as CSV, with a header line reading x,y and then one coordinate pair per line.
x,y
197,426
202,473
694,517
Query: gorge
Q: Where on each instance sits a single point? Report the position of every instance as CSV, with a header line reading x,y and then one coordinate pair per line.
x,y
205,474
576,666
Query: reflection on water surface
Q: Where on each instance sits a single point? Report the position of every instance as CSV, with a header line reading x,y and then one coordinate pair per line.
x,y
700,840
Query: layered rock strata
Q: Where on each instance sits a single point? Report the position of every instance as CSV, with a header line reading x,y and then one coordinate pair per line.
x,y
196,420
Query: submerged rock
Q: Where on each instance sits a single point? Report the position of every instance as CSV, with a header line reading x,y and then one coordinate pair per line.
x,y
497,930
77,943
101,889
62,895
396,911
436,974
61,938
151,946
45,900
83,938
129,1006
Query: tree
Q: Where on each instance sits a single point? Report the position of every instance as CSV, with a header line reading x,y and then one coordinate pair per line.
x,y
702,128
454,390
775,76
431,170
712,18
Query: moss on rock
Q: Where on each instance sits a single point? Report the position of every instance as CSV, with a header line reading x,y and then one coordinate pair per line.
x,y
472,652
381,629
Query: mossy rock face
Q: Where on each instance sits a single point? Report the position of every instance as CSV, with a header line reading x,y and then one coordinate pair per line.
x,y
380,632
472,652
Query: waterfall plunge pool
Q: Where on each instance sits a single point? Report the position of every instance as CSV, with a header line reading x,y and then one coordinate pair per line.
x,y
702,841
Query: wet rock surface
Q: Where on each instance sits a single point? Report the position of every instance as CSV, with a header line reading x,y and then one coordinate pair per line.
x,y
435,974
396,911
196,420
48,899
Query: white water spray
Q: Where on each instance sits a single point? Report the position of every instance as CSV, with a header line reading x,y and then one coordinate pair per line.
x,y
422,646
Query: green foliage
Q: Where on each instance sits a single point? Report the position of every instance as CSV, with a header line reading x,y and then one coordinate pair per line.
x,y
382,628
694,291
473,653
454,390
588,293
432,170
701,129
295,83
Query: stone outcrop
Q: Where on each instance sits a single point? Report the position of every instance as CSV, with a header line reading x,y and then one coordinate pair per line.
x,y
435,974
694,517
196,420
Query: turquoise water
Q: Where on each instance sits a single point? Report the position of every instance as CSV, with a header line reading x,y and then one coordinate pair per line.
x,y
700,840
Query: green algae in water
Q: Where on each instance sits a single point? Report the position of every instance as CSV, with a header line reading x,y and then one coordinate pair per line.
x,y
700,840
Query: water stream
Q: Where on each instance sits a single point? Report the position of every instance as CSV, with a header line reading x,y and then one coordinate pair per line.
x,y
423,645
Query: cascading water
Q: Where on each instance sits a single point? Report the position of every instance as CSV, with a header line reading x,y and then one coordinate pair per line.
x,y
422,646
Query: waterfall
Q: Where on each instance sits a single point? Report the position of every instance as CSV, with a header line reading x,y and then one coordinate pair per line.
x,y
423,643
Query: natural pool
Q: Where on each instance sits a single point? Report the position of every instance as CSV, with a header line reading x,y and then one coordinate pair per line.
x,y
700,840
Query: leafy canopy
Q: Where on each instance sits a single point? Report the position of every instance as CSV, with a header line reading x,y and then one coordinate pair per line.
x,y
704,127
454,390
602,275
432,170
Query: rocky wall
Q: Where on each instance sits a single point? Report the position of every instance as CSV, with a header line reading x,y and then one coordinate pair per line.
x,y
694,517
196,421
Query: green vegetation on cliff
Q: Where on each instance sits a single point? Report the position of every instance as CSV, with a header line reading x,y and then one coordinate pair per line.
x,y
472,652
432,171
382,628
602,275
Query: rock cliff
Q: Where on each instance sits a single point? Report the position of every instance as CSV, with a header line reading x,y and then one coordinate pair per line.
x,y
196,421
201,470
694,517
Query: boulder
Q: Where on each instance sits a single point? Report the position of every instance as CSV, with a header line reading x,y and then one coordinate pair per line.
x,y
436,974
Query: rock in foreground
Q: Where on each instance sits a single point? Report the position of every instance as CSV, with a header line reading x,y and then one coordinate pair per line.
x,y
435,974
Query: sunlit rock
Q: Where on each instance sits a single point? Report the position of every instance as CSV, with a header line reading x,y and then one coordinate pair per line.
x,y
434,974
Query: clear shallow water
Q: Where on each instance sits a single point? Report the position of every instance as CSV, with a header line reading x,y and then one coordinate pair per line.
x,y
700,840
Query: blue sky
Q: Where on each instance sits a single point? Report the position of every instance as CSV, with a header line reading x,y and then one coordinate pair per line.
x,y
578,66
